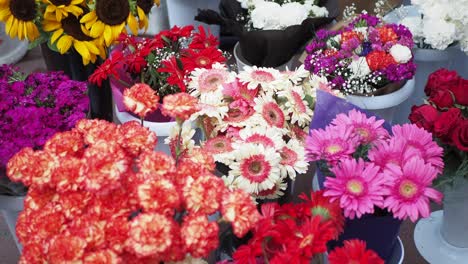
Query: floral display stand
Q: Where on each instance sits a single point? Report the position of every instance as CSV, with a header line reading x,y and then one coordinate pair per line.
x,y
11,50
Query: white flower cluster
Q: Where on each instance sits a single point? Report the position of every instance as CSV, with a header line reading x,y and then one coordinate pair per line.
x,y
266,14
441,23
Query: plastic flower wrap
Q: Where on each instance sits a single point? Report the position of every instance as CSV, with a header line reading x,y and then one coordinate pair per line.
x,y
33,108
445,116
368,167
164,62
293,233
100,194
364,57
263,26
255,123
87,26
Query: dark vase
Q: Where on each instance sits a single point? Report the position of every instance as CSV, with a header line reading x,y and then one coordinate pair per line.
x,y
379,231
71,64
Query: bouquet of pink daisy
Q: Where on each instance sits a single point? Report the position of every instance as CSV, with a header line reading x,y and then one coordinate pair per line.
x,y
379,174
255,123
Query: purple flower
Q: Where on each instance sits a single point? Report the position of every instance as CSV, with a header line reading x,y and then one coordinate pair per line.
x,y
315,45
323,34
400,72
370,20
366,48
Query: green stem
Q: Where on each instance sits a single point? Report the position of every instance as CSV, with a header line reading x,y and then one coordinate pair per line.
x,y
179,142
142,119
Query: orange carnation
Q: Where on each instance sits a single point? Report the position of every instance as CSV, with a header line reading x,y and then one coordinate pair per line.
x,y
140,99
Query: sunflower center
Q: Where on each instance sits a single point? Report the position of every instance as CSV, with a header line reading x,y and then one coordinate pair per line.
x,y
146,5
333,149
112,12
408,189
61,2
71,26
355,187
23,9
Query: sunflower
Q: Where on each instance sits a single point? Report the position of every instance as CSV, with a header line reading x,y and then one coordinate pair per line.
x,y
108,20
69,33
59,9
19,16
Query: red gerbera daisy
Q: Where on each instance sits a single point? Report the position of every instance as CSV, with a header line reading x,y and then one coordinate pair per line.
x,y
354,252
176,73
109,68
203,39
201,59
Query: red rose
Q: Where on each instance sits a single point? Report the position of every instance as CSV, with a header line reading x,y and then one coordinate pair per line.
x,y
441,79
442,98
460,136
424,116
445,124
460,90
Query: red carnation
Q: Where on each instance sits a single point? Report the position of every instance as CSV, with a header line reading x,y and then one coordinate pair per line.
x,y
387,34
446,123
424,116
354,251
378,60
460,135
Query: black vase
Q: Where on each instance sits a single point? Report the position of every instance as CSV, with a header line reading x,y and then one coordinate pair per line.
x,y
71,64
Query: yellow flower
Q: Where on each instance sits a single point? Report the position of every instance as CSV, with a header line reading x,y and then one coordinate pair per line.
x,y
19,16
59,9
108,19
69,33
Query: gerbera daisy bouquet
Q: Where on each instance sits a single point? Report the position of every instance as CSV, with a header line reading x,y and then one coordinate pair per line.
x,y
445,115
255,123
33,108
100,194
367,57
88,27
164,62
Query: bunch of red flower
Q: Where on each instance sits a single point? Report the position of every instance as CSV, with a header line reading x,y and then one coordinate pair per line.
x,y
445,113
164,62
293,233
100,194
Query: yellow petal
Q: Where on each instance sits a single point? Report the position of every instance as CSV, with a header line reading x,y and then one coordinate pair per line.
x,y
56,35
4,14
132,24
20,29
81,48
88,17
97,29
91,47
64,43
75,10
34,33
14,30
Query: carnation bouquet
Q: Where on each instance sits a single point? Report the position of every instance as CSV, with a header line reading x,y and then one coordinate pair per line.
x,y
364,57
255,123
263,26
33,108
445,116
435,24
164,62
86,26
374,170
100,194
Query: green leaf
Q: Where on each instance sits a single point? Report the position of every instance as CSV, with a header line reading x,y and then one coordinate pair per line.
x,y
180,65
168,41
41,39
310,100
52,46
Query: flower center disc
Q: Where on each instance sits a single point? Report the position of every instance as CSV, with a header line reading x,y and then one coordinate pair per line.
x,y
71,26
203,61
306,241
23,9
61,2
355,187
364,133
112,12
333,149
408,189
255,167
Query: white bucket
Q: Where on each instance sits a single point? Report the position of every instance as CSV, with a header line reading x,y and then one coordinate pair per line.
x,y
183,12
11,50
384,105
242,62
157,19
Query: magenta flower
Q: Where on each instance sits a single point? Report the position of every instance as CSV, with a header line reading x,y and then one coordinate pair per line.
x,y
419,143
332,144
358,186
408,189
388,152
367,130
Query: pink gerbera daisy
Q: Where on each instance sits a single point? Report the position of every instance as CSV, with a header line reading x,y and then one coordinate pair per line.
x,y
218,145
270,111
208,80
238,90
358,186
408,191
368,130
255,77
331,144
419,142
388,152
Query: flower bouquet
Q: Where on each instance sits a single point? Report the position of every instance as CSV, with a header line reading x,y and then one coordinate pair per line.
x,y
255,123
85,26
100,194
33,108
378,177
367,60
263,27
445,116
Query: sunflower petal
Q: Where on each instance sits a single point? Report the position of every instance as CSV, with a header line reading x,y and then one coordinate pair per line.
x,y
81,48
91,47
132,24
56,35
14,29
64,43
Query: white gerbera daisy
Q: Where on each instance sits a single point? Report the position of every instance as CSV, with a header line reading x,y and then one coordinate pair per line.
x,y
271,111
186,136
293,159
296,76
212,105
206,81
275,192
269,137
256,168
221,148
254,76
296,106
